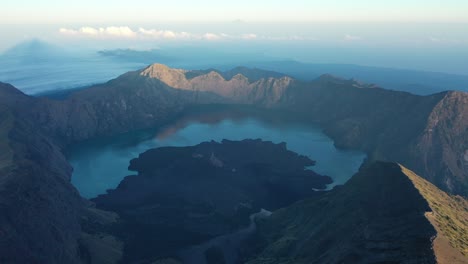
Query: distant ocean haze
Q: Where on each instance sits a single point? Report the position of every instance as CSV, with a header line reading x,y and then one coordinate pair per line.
x,y
36,67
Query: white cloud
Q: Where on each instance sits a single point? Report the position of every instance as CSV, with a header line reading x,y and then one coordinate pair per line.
x,y
349,37
119,32
148,34
163,34
67,31
249,36
211,36
89,31
124,32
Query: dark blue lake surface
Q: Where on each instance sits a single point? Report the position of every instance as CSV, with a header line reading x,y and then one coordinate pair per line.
x,y
101,164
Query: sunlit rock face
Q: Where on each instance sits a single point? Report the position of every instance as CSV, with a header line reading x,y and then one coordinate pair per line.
x,y
267,90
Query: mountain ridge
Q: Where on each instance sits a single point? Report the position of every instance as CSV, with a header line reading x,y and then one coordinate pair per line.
x,y
385,124
239,87
360,222
449,216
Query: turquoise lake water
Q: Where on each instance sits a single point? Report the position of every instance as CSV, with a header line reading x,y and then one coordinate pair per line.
x,y
101,164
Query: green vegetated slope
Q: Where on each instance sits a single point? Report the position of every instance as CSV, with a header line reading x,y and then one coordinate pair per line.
x,y
450,218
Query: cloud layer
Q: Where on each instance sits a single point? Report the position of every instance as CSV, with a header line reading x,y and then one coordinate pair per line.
x,y
125,32
142,33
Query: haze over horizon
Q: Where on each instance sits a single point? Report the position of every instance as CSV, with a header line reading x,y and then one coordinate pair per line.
x,y
419,35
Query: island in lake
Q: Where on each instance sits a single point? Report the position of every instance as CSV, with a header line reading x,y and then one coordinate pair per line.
x,y
224,183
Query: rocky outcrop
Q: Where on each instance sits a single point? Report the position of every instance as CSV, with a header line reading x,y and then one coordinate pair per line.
x,y
443,144
264,91
378,216
222,185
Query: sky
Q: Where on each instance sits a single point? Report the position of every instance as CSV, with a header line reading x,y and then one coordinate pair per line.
x,y
107,11
425,34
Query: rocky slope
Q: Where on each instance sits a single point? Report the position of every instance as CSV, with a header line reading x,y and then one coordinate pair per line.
x,y
444,141
41,212
39,208
426,133
127,103
264,88
379,216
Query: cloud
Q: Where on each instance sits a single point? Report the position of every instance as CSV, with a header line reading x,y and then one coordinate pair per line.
x,y
211,36
67,31
349,37
249,36
89,31
142,33
163,34
125,32
120,32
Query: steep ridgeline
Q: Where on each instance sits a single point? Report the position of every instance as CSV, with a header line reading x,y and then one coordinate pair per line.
x,y
384,214
428,134
260,87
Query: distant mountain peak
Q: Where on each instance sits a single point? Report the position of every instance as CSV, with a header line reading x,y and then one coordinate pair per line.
x,y
236,84
157,70
215,74
159,66
172,77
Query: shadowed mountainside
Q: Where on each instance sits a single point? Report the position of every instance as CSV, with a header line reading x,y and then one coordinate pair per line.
x,y
379,216
222,185
39,208
426,133
41,212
